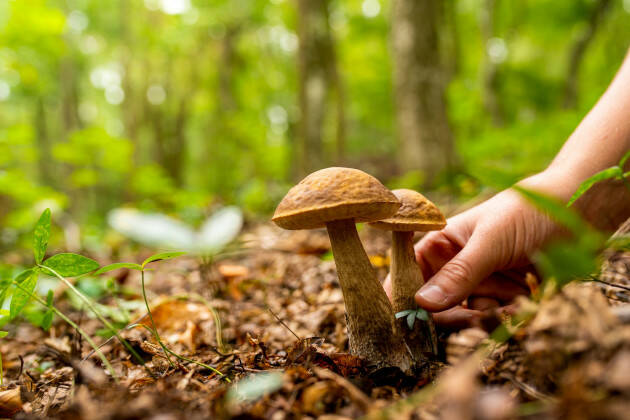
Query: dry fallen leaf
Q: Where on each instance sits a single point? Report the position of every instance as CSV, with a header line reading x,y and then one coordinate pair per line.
x,y
10,402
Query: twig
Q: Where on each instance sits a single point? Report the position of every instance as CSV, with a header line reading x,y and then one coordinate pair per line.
x,y
283,324
619,286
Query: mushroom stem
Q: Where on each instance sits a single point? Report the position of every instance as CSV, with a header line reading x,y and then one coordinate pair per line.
x,y
407,278
372,329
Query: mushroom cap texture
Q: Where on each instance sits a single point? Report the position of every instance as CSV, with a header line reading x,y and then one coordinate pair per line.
x,y
416,214
335,194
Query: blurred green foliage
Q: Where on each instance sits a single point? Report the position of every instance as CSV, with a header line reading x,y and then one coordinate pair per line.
x,y
175,105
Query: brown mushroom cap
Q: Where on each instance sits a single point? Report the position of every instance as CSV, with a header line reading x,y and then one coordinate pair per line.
x,y
417,214
335,194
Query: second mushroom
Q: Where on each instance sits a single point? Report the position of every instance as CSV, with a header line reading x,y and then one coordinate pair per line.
x,y
417,213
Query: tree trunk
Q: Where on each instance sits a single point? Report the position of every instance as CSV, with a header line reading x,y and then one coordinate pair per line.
x,y
578,49
425,136
44,147
318,75
490,66
69,95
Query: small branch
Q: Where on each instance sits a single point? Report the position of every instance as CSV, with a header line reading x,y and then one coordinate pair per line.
x,y
283,324
595,279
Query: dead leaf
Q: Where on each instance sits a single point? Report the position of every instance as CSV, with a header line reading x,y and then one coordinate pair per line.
x,y
10,402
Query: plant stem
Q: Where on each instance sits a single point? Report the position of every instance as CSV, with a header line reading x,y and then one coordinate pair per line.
x,y
155,331
179,356
166,350
217,321
96,312
76,327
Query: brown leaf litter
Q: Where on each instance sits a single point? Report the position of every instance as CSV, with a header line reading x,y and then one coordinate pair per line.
x,y
279,312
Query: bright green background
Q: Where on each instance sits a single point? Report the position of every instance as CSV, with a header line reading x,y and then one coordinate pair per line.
x,y
242,155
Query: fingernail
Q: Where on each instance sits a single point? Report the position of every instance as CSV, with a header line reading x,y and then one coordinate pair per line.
x,y
432,293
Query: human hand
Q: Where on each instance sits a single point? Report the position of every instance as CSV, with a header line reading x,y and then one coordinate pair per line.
x,y
482,255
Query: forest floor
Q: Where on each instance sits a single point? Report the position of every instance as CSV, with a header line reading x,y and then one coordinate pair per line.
x,y
281,339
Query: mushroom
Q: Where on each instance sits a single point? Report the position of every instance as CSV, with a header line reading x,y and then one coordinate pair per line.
x,y
417,213
337,198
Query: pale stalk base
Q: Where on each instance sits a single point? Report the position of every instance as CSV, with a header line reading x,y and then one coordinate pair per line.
x,y
407,278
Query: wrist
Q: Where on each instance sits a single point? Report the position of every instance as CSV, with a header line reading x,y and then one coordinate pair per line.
x,y
552,182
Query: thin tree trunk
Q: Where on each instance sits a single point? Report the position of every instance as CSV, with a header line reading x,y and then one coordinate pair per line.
x,y
419,83
451,41
578,49
491,96
69,95
228,59
44,146
317,74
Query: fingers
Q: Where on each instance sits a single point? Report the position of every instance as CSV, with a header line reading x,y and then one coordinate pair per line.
x,y
459,277
482,303
433,251
457,318
498,287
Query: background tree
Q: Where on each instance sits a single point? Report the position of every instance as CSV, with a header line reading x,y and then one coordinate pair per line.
x,y
426,141
180,105
318,77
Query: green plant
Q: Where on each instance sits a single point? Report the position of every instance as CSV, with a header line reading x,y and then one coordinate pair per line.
x,y
3,312
412,315
153,328
60,266
565,260
614,172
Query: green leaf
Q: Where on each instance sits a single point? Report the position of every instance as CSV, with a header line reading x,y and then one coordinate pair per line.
x,y
3,334
612,172
411,320
47,320
162,256
4,312
624,159
116,266
5,282
71,265
41,235
27,280
566,261
255,386
403,313
422,314
49,298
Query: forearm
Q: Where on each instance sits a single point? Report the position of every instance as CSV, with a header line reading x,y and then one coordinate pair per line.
x,y
599,142
603,136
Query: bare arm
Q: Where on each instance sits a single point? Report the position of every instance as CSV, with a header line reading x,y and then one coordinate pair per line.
x,y
483,252
599,142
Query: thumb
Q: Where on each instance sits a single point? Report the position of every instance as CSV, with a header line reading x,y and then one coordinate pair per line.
x,y
458,277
